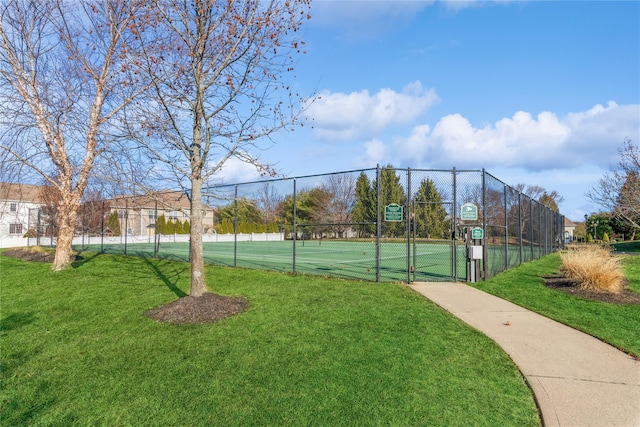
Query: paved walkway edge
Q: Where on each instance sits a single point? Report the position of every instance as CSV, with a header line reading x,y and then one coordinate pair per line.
x,y
577,380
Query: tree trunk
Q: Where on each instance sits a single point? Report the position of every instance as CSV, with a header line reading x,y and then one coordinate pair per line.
x,y
198,285
67,214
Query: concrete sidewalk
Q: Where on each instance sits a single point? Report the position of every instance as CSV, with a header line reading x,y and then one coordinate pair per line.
x,y
577,380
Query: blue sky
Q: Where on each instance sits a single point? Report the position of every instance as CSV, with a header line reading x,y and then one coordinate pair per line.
x,y
537,92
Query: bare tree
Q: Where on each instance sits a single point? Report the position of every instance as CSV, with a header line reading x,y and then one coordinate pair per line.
x,y
216,69
618,191
63,76
94,212
267,200
551,199
342,189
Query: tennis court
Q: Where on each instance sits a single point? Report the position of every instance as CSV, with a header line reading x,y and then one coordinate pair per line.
x,y
416,225
336,258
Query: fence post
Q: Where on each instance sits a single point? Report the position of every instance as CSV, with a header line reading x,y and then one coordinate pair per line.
x,y
540,243
485,252
531,227
506,229
235,226
51,231
126,223
156,238
38,229
407,217
520,227
295,224
378,222
81,228
547,237
454,233
102,229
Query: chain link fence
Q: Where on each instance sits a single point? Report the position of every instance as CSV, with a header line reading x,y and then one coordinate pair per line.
x,y
389,224
380,224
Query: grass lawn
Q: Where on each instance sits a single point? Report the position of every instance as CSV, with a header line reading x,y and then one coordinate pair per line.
x,y
77,350
612,323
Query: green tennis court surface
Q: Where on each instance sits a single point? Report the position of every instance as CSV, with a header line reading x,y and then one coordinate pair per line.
x,y
319,257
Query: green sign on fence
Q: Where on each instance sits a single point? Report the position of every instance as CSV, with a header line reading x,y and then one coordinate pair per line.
x,y
469,212
477,233
393,212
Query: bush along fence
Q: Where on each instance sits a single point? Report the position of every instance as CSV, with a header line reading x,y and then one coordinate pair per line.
x,y
379,224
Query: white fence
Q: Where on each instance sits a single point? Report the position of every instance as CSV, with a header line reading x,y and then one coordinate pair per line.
x,y
15,242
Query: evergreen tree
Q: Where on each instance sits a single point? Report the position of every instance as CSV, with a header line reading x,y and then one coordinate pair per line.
x,y
225,227
391,191
429,213
114,223
623,227
172,226
273,227
161,225
599,224
364,209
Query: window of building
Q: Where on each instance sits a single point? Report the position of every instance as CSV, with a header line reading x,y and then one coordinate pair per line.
x,y
173,215
13,207
122,213
15,228
153,214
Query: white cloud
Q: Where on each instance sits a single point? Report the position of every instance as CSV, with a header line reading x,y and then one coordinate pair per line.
x,y
598,131
235,170
523,141
341,116
375,152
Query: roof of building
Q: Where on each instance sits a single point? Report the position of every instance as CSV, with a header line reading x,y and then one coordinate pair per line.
x,y
165,200
21,192
569,223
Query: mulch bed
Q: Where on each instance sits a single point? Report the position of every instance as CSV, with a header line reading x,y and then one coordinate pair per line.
x,y
204,309
29,255
569,286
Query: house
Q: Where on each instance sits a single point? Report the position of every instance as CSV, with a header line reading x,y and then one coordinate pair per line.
x,y
569,228
138,214
22,215
20,207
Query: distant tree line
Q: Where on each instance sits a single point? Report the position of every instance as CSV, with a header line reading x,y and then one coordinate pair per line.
x,y
341,204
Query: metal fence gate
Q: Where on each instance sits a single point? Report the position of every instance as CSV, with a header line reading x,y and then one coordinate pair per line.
x,y
433,259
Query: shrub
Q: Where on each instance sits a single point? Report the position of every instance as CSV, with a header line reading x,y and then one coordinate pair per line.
x,y
594,267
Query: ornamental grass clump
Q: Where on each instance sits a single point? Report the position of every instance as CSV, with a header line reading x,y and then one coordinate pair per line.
x,y
594,268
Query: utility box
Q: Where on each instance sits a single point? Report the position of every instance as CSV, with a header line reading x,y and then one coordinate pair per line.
x,y
475,252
